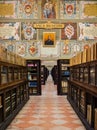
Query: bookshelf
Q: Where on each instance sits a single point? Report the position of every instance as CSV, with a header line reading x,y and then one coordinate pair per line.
x,y
13,91
1,108
44,74
10,73
34,76
92,73
4,74
63,76
85,73
82,92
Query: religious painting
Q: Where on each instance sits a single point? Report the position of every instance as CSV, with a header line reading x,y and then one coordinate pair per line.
x,y
49,9
88,31
49,39
88,9
28,9
10,31
8,9
69,31
68,9
28,32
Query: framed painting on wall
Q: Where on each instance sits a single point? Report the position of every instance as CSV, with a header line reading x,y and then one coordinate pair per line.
x,y
49,39
49,9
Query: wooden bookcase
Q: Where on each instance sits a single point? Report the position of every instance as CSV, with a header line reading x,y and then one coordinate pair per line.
x,y
34,76
13,91
82,92
42,75
63,76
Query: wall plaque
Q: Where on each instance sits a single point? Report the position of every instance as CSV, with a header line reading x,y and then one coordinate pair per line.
x,y
89,9
49,25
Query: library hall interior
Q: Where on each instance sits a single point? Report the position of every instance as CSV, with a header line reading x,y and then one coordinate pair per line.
x,y
48,64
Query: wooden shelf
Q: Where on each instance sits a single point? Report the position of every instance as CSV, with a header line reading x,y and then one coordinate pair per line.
x,y
9,98
82,92
34,72
63,76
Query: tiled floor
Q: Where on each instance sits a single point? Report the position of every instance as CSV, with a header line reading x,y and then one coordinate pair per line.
x,y
47,112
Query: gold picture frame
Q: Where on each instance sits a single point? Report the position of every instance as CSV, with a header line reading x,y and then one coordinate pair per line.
x,y
48,39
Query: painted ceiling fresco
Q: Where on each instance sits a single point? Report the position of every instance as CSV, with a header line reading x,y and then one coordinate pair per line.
x,y
17,32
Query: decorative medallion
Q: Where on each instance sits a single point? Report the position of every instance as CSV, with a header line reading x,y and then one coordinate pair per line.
x,y
21,49
10,46
28,9
76,48
68,9
33,49
66,49
69,32
28,32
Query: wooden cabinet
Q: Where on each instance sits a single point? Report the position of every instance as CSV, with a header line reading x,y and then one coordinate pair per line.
x,y
34,76
82,92
63,76
13,91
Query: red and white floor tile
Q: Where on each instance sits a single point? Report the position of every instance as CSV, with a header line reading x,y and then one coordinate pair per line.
x,y
47,112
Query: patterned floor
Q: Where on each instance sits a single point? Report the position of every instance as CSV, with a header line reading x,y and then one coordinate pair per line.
x,y
47,112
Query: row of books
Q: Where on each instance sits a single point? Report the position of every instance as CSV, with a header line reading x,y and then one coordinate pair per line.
x,y
89,116
64,90
32,84
31,77
4,78
95,126
64,83
33,91
66,73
